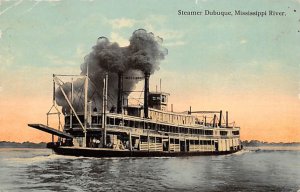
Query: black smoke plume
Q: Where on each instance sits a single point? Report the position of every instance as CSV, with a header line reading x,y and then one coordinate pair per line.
x,y
143,55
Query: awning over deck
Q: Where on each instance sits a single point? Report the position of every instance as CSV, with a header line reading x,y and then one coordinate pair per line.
x,y
50,130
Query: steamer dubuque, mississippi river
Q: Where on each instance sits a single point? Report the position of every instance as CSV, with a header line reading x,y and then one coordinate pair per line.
x,y
232,13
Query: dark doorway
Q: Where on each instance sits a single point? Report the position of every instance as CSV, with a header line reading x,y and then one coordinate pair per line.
x,y
187,145
182,146
165,146
217,146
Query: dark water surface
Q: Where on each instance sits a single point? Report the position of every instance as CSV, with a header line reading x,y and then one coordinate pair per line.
x,y
40,170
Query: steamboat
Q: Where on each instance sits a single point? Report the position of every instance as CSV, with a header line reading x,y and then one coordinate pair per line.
x,y
149,129
93,126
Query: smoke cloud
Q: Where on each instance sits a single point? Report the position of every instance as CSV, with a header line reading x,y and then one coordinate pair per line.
x,y
143,55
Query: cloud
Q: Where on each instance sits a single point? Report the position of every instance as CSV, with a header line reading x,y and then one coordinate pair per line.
x,y
122,23
0,34
175,43
77,57
170,34
243,41
171,37
116,37
80,51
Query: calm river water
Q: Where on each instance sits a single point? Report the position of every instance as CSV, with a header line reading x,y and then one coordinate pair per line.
x,y
248,170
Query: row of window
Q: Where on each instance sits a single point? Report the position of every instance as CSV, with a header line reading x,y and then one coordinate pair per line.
x,y
144,125
144,139
181,119
160,127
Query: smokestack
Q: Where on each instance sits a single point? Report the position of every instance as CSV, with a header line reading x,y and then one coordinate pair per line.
x,y
226,118
120,93
214,121
220,120
146,94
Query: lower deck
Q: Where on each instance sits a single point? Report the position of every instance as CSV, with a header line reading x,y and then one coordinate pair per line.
x,y
150,141
105,152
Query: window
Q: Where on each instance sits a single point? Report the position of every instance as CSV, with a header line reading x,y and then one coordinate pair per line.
x,y
152,139
131,123
144,139
126,123
163,99
208,132
67,120
158,140
235,132
223,133
118,121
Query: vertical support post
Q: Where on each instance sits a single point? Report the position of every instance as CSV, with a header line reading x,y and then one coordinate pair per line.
x,y
204,120
148,139
104,108
169,143
130,141
199,144
85,106
226,118
72,101
53,98
159,85
53,101
220,120
139,142
154,143
90,114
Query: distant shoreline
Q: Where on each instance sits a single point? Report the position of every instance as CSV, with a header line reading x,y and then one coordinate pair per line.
x,y
255,143
9,144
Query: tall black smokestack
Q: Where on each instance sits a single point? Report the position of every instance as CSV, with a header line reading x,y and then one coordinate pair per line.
x,y
220,120
146,94
120,93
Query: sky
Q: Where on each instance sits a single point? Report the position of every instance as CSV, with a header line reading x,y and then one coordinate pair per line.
x,y
247,65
